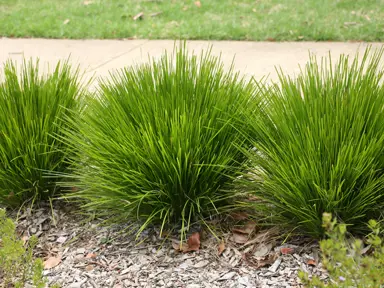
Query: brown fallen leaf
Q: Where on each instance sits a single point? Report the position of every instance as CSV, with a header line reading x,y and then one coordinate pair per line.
x,y
194,242
246,229
138,16
176,245
66,21
221,248
239,216
198,4
287,250
52,262
269,260
239,238
258,263
89,268
311,262
87,2
91,255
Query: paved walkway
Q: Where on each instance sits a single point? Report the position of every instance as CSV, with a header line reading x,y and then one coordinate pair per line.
x,y
97,57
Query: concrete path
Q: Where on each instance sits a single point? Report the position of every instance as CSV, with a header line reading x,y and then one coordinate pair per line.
x,y
98,57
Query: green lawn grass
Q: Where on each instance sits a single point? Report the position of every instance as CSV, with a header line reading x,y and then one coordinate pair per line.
x,y
214,19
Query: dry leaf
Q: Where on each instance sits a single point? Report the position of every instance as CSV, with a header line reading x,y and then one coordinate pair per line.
x,y
185,8
138,16
87,2
221,248
89,268
91,255
269,260
198,4
258,263
287,250
176,245
263,236
52,262
246,229
262,250
240,216
66,21
311,262
239,238
181,247
194,242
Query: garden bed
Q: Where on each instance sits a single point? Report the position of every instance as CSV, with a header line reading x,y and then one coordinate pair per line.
x,y
90,255
186,175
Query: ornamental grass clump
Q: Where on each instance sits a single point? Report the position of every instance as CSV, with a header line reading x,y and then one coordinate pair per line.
x,y
32,112
159,141
320,145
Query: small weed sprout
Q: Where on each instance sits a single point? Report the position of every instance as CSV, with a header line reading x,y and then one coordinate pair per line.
x,y
17,264
344,260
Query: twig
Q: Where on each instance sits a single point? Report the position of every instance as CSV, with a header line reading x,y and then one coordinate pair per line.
x,y
156,14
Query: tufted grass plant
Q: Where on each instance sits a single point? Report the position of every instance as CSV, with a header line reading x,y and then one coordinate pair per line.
x,y
32,112
159,141
320,145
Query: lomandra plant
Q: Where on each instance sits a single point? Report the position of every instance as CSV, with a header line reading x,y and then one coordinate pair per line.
x,y
32,112
320,145
159,141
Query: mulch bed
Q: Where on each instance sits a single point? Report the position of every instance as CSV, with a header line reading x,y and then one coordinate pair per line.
x,y
80,253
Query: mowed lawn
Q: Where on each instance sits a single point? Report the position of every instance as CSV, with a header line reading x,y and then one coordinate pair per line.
x,y
273,20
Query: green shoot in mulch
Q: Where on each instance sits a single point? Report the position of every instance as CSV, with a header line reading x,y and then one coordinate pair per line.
x,y
320,145
271,20
17,266
32,111
348,265
159,141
